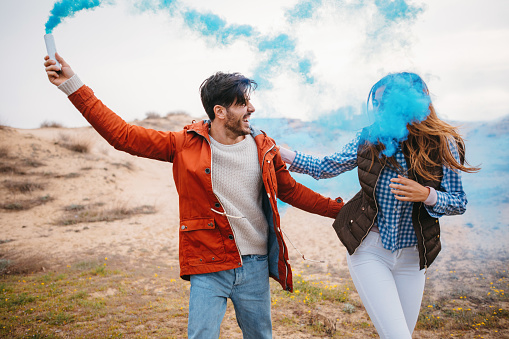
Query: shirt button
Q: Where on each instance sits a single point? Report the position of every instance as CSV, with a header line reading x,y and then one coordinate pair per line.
x,y
230,237
183,227
211,224
217,205
207,170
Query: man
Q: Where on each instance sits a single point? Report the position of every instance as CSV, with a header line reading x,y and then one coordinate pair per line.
x,y
228,176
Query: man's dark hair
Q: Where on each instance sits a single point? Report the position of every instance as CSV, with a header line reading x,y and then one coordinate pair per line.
x,y
225,89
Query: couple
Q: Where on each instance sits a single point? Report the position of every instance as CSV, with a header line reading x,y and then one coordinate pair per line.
x,y
229,175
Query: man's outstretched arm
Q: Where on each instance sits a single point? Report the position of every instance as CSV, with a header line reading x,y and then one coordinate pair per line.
x,y
132,139
302,197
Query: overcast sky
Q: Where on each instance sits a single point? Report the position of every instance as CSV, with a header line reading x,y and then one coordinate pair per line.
x,y
310,57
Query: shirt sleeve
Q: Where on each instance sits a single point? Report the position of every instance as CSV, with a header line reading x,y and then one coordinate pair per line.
x,y
451,199
329,166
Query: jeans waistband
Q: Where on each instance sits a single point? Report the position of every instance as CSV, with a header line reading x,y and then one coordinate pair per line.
x,y
253,256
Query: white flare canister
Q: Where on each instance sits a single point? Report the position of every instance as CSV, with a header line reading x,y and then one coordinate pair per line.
x,y
50,47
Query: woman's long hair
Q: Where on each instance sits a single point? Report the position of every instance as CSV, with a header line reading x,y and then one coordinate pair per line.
x,y
428,144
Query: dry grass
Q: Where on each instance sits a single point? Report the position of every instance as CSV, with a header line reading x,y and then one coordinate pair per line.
x,y
108,297
14,263
51,124
4,151
152,115
26,204
10,169
77,213
74,144
23,186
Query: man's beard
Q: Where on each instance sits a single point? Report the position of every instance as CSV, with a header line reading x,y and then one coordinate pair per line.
x,y
235,126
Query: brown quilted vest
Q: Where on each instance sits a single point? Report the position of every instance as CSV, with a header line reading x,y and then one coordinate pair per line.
x,y
357,216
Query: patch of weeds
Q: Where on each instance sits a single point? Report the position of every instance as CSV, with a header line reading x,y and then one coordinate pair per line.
x,y
85,265
92,213
57,318
51,124
17,300
127,164
74,144
71,175
4,151
13,263
74,207
32,163
322,325
152,115
9,169
26,204
93,304
349,308
79,295
429,321
99,270
4,265
23,186
316,291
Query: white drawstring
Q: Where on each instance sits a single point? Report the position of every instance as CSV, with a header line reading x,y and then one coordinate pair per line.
x,y
287,237
224,213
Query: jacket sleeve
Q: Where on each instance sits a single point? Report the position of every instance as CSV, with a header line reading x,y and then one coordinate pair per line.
x,y
298,195
328,166
135,140
451,199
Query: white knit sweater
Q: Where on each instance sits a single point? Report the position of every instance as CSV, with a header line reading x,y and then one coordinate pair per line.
x,y
237,182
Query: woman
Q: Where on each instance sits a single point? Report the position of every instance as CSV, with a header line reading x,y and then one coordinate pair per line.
x,y
409,164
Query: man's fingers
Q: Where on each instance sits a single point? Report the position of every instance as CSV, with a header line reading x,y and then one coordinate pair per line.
x,y
49,63
51,67
61,60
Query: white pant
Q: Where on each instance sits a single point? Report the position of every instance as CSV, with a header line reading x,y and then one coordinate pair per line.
x,y
390,285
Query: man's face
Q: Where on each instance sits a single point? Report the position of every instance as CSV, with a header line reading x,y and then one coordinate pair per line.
x,y
237,118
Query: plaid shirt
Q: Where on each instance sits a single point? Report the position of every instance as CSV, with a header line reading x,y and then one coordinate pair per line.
x,y
394,219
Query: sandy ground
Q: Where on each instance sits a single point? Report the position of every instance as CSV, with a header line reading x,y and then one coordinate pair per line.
x,y
111,179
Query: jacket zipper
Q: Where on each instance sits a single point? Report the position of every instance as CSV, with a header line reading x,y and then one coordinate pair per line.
x,y
423,242
278,226
376,206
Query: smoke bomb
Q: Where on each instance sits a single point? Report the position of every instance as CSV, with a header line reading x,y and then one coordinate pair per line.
x,y
51,48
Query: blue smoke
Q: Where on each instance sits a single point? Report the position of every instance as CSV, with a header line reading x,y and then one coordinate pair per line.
x,y
66,9
212,25
279,50
303,10
404,100
396,10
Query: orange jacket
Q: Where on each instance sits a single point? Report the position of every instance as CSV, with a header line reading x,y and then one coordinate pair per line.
x,y
206,240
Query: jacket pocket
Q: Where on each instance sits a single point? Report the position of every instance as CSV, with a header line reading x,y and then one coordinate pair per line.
x,y
349,213
201,242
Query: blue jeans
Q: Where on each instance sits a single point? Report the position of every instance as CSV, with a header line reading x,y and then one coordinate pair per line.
x,y
248,288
